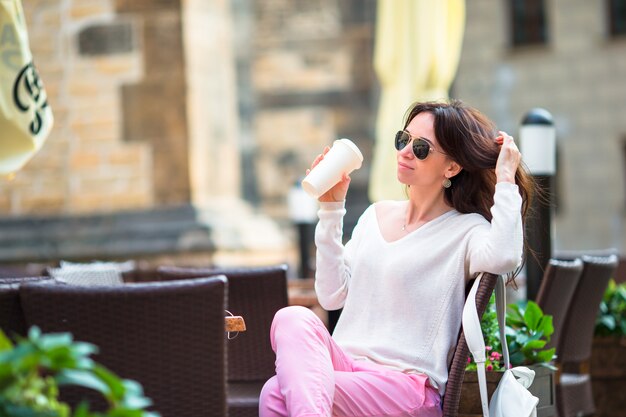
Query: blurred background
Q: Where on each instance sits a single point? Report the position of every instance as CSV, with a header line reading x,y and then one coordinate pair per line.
x,y
181,126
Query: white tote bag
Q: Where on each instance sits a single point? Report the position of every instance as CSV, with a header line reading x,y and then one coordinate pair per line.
x,y
511,397
25,116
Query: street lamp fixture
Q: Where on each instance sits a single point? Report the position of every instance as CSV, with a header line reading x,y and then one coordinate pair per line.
x,y
537,142
302,211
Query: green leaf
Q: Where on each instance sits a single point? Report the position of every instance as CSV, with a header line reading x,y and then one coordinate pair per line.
x,y
5,343
125,412
535,344
113,382
514,316
55,340
82,410
134,397
521,338
82,378
532,315
608,321
546,355
34,333
516,358
545,326
84,349
133,402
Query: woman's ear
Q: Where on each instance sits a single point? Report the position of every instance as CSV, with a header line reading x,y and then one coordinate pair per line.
x,y
453,169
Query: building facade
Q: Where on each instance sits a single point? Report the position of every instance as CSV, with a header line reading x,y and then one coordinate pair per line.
x,y
571,61
213,109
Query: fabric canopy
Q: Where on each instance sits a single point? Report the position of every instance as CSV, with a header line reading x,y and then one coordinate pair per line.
x,y
25,116
416,55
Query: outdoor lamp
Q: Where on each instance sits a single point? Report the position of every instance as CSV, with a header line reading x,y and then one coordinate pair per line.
x,y
537,140
537,143
302,211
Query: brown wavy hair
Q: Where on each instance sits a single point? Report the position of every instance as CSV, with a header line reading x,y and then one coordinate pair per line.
x,y
468,137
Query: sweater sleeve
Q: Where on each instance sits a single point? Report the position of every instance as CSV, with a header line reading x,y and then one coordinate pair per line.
x,y
497,248
332,275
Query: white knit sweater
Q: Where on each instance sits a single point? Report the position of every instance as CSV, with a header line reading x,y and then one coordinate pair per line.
x,y
402,301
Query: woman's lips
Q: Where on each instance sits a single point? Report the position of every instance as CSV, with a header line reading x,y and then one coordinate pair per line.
x,y
403,165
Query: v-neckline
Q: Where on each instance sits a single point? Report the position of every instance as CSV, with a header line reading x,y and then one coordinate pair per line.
x,y
437,219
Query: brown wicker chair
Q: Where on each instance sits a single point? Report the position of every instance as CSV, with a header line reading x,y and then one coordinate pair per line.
x,y
456,371
256,293
11,314
167,336
574,394
559,282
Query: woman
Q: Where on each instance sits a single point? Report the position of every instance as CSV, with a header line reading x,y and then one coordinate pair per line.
x,y
401,278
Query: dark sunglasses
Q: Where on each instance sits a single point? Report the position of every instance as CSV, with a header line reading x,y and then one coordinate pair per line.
x,y
421,147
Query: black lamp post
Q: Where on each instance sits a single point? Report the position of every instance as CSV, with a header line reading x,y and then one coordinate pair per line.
x,y
303,214
537,139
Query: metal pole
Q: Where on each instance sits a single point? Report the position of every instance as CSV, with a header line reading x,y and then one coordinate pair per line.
x,y
302,211
304,247
538,147
539,239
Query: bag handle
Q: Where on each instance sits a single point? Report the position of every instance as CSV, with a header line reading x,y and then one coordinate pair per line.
x,y
501,313
474,335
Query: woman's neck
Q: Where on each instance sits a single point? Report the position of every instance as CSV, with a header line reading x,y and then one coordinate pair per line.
x,y
425,205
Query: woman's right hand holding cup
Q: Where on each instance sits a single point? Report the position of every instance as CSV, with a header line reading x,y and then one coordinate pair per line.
x,y
339,191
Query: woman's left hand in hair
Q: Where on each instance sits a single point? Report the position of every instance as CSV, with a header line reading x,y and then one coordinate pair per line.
x,y
508,159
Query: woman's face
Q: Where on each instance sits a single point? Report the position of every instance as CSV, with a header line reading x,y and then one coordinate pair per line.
x,y
431,171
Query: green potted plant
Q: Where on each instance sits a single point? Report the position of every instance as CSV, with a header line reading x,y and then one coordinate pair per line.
x,y
608,354
528,330
32,369
611,320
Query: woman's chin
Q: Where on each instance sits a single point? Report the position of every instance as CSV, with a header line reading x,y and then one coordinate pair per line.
x,y
402,178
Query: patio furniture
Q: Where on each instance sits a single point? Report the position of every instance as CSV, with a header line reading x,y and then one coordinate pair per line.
x,y
456,371
574,394
11,314
559,282
256,293
169,336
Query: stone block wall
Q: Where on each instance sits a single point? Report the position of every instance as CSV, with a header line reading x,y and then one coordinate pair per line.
x,y
85,165
313,82
144,156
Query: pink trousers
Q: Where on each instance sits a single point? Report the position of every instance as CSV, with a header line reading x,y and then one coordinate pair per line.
x,y
314,377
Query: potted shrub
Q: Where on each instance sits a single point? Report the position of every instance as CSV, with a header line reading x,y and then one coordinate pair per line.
x,y
32,370
528,330
608,355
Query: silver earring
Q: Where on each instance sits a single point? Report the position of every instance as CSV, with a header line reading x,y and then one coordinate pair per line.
x,y
447,183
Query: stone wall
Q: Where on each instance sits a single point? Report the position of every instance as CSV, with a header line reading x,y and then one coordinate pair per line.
x,y
579,78
155,106
313,82
85,165
143,159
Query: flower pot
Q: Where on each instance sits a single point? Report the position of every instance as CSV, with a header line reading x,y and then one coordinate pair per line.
x,y
608,376
542,388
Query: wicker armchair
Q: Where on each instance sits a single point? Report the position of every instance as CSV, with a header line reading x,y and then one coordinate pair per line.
x,y
167,336
574,394
256,293
11,314
456,371
558,284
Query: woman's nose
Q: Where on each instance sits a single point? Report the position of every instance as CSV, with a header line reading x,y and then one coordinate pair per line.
x,y
407,151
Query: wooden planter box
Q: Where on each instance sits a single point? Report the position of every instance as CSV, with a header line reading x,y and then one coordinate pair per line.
x,y
608,376
542,388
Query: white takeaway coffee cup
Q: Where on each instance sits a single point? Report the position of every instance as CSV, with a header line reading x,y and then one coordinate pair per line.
x,y
343,157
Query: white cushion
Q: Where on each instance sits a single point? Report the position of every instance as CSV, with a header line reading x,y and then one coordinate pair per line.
x,y
95,273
